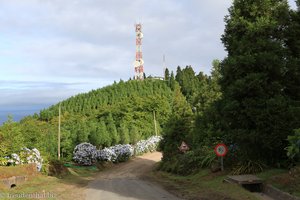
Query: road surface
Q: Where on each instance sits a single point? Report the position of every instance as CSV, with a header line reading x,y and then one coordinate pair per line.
x,y
123,182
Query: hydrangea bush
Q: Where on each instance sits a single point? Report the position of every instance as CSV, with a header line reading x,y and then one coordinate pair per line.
x,y
148,145
85,154
26,156
117,153
106,154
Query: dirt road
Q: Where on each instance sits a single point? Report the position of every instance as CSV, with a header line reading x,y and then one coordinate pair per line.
x,y
124,182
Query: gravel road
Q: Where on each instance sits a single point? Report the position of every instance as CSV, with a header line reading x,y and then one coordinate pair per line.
x,y
124,182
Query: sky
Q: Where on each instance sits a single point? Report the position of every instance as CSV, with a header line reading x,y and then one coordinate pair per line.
x,y
53,49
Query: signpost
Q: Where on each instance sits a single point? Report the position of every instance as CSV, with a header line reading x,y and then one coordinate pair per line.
x,y
184,147
221,150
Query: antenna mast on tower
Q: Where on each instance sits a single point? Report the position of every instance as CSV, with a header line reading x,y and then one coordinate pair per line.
x,y
164,65
139,63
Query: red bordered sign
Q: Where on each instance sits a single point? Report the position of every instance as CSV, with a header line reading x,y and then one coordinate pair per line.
x,y
221,150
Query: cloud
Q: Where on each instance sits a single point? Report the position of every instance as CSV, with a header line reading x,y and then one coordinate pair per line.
x,y
48,44
31,93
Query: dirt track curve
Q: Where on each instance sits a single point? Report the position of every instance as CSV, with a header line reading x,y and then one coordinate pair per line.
x,y
124,182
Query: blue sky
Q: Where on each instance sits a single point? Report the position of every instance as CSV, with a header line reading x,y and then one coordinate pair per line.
x,y
53,49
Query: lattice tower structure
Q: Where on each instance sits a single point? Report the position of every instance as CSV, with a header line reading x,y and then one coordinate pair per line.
x,y
139,62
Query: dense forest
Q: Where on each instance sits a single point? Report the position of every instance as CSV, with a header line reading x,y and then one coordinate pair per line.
x,y
120,113
252,104
250,101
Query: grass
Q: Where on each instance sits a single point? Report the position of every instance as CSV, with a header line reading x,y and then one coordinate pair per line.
x,y
19,170
207,185
202,185
287,181
70,186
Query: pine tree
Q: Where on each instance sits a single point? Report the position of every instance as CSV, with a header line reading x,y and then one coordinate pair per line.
x,y
104,135
167,74
112,130
178,76
124,134
292,74
134,135
95,135
254,109
172,81
179,126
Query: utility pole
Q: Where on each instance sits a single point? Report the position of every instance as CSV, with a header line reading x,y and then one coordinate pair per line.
x,y
154,122
58,142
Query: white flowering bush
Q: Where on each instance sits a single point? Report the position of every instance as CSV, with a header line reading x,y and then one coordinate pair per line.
x,y
85,154
149,145
117,153
14,159
106,154
26,156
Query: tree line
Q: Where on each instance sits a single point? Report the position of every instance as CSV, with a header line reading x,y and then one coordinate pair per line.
x,y
121,113
251,101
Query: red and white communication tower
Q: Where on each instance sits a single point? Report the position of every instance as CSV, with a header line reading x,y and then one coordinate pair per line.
x,y
138,63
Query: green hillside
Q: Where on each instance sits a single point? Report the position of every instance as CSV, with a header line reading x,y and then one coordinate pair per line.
x,y
119,113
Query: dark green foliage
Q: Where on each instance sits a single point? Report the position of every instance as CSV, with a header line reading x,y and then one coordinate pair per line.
x,y
167,74
124,134
172,81
293,148
134,135
188,82
112,130
11,138
178,127
208,120
254,109
292,71
189,162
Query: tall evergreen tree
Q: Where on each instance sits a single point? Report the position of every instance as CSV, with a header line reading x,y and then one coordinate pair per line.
x,y
112,130
178,76
167,74
254,108
95,135
172,82
179,126
134,135
104,135
124,134
292,72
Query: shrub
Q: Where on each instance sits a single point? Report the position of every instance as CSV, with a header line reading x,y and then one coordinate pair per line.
x,y
106,154
189,162
57,168
149,145
3,161
248,167
117,153
26,156
85,154
293,150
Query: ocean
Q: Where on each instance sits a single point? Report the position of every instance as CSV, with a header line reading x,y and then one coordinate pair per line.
x,y
19,111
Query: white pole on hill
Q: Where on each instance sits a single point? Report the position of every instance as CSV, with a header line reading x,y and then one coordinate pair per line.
x,y
58,138
154,122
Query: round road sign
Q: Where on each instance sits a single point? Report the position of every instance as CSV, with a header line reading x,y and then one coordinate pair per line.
x,y
221,150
